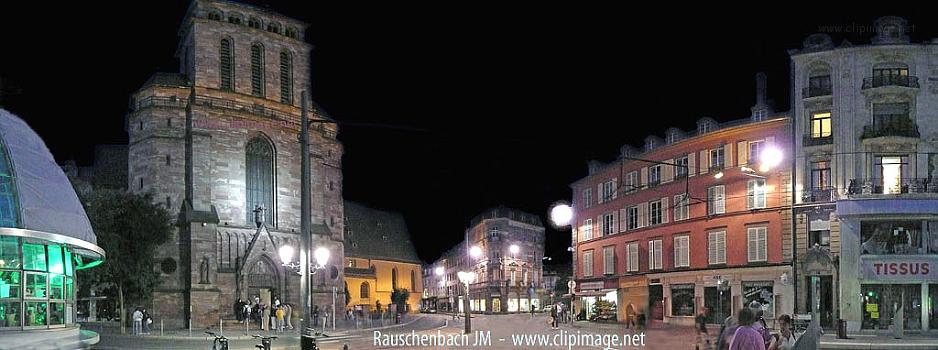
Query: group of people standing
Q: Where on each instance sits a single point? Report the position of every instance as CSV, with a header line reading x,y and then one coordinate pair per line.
x,y
268,317
746,330
560,312
142,321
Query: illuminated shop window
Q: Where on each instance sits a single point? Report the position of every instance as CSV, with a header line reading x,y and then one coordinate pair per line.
x,y
34,257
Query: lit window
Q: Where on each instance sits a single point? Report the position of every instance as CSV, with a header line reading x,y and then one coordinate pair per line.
x,y
755,194
891,170
821,124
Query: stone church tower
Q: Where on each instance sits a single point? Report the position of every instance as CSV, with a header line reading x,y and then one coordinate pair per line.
x,y
217,140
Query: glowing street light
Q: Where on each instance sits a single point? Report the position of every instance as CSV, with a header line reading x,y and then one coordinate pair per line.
x,y
439,271
286,259
770,158
561,215
718,175
514,249
286,254
322,256
475,251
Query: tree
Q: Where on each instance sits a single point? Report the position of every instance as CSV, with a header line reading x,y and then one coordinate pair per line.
x,y
129,228
399,296
348,296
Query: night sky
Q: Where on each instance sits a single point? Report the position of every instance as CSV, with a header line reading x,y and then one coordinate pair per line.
x,y
513,100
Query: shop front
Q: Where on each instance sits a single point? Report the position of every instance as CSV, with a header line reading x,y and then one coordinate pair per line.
x,y
724,291
633,294
597,300
895,292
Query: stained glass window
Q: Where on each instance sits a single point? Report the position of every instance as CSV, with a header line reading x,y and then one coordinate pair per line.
x,y
259,182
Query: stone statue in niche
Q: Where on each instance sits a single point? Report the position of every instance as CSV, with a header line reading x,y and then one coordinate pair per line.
x,y
203,271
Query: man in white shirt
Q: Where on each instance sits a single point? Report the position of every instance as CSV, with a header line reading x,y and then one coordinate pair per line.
x,y
138,321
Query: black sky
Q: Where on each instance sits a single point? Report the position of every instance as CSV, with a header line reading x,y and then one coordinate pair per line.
x,y
516,99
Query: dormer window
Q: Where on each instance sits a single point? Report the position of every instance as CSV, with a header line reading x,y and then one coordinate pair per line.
x,y
214,15
650,144
705,125
291,33
273,28
255,23
673,136
234,19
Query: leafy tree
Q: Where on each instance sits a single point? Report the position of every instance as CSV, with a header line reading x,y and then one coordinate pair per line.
x,y
348,296
399,296
129,228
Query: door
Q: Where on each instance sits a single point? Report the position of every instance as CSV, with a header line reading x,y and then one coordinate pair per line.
x,y
656,301
718,304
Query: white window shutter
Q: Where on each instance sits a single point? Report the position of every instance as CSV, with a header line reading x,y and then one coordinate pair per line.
x,y
644,177
622,219
664,210
615,187
742,152
667,171
615,222
642,210
598,226
691,164
728,157
704,161
599,193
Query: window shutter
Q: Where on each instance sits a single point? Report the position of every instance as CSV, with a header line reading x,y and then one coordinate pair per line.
x,y
598,226
615,222
664,210
691,164
750,194
752,245
667,172
712,248
704,161
644,177
615,187
642,214
742,153
599,193
622,219
762,242
728,157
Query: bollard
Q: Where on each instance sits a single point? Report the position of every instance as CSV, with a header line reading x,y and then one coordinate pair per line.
x,y
161,327
221,328
246,325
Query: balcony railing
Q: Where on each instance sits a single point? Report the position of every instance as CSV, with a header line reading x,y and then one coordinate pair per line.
x,y
815,91
899,127
820,194
903,186
359,271
890,80
817,140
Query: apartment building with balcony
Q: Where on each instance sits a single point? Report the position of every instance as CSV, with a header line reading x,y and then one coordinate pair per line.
x,y
866,199
692,220
508,265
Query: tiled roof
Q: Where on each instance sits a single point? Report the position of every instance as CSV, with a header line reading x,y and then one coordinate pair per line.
x,y
377,234
167,79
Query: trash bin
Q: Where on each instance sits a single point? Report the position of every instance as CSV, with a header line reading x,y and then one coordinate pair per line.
x,y
308,342
841,329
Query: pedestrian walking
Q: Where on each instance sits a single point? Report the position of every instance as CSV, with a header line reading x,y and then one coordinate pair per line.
x,y
280,314
146,321
553,317
238,309
273,318
630,316
700,326
315,315
747,337
138,321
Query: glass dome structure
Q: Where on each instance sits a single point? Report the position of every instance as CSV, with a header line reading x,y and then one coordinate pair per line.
x,y
45,236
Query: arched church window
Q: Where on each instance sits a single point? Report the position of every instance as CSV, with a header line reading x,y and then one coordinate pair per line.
x,y
260,179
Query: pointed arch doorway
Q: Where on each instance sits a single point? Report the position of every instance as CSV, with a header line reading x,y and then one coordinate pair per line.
x,y
263,281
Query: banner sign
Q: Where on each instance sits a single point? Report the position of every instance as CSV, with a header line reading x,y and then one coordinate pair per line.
x,y
899,268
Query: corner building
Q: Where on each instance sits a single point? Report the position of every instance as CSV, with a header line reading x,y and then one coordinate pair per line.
x,y
242,73
659,232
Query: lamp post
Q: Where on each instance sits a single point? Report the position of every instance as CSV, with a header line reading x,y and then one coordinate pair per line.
x,y
514,249
466,278
439,271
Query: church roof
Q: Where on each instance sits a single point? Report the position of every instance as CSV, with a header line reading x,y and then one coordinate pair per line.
x,y
377,234
43,198
167,79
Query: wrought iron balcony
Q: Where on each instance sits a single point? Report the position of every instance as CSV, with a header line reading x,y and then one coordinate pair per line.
x,y
817,140
872,187
816,91
904,127
820,194
359,271
890,80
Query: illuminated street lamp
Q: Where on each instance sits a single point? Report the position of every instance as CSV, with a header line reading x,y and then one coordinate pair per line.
x,y
467,277
514,250
770,158
439,271
475,252
561,214
286,258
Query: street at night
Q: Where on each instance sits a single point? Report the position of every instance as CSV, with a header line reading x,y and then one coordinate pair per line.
x,y
270,174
